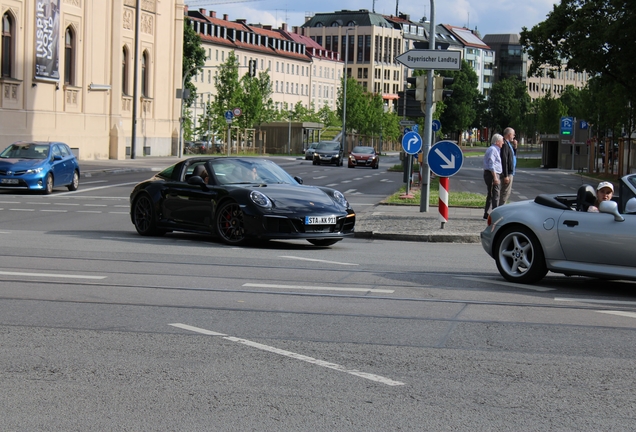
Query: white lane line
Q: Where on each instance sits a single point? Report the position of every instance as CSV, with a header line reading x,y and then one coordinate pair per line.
x,y
88,211
350,191
93,182
332,185
94,205
66,204
358,178
94,189
318,260
22,209
346,181
584,300
620,313
523,197
320,177
372,377
9,202
38,203
121,205
197,329
508,284
319,288
118,213
128,238
54,211
65,276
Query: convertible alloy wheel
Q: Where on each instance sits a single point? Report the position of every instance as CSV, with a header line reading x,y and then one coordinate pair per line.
x,y
519,256
144,217
48,184
75,183
229,224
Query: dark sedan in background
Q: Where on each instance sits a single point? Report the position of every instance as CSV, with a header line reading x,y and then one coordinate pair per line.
x,y
239,199
328,152
364,156
38,165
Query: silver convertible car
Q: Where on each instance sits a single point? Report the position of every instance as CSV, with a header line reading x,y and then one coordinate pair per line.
x,y
556,233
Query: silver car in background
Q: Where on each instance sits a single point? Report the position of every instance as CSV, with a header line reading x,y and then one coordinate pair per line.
x,y
554,232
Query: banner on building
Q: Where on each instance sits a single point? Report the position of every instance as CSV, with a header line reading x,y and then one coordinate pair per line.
x,y
47,32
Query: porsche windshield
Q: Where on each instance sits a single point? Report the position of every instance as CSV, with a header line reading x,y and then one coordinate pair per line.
x,y
246,171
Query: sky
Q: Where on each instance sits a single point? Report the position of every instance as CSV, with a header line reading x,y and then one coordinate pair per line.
x,y
488,16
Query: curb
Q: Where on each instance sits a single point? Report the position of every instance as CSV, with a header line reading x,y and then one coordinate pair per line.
x,y
427,238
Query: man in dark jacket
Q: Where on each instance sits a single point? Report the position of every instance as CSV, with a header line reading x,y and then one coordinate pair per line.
x,y
508,162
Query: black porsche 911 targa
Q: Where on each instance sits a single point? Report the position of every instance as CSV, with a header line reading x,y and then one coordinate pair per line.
x,y
238,200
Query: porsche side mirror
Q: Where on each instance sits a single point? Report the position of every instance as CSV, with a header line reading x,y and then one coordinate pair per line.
x,y
196,180
299,180
611,207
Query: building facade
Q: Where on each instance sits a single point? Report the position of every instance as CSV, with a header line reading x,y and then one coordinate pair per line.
x,y
68,75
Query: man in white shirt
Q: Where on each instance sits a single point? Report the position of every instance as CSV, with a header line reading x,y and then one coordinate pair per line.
x,y
492,172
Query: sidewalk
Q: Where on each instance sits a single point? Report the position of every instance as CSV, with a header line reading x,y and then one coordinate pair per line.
x,y
386,222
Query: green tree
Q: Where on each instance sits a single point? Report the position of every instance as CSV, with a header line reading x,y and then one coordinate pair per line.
x,y
508,105
460,109
229,92
596,36
193,57
550,111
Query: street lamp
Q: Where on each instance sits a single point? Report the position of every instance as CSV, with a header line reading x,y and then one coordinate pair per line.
x,y
344,95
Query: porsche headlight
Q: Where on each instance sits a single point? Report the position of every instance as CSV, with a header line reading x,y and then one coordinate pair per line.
x,y
260,199
34,170
340,199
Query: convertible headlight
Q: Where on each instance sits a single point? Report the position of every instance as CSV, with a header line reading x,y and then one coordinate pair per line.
x,y
34,170
340,199
260,199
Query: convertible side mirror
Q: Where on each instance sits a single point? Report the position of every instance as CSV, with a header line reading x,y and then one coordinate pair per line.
x,y
610,207
298,179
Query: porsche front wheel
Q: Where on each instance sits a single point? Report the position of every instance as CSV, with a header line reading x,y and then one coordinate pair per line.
x,y
230,225
519,256
144,217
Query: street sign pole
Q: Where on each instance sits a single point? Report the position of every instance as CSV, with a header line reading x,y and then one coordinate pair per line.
x,y
428,122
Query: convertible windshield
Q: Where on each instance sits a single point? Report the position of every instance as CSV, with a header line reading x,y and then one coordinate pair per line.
x,y
246,171
26,151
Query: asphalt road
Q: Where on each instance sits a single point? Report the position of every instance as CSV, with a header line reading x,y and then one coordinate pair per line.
x,y
102,329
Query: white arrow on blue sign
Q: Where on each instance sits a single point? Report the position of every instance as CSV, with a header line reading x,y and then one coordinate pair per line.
x,y
445,158
229,115
412,143
437,125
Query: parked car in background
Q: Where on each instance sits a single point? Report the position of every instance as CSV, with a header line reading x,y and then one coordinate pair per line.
x,y
364,156
309,152
555,232
240,199
328,152
38,165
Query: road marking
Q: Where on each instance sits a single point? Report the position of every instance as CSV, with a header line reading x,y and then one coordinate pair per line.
x,y
88,211
94,205
9,202
296,356
318,260
584,300
121,205
358,178
350,191
523,197
318,288
509,284
332,185
94,181
386,181
94,189
54,211
66,204
346,181
38,203
320,177
197,329
22,209
65,276
620,313
118,213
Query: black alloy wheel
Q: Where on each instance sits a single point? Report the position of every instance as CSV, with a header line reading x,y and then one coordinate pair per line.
x,y
230,225
144,217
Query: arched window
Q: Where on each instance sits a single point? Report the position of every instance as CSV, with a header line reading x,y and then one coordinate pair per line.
x,y
144,74
124,71
69,57
7,45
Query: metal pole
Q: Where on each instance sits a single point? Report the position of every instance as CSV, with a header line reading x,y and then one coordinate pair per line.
x,y
289,136
428,121
133,139
183,81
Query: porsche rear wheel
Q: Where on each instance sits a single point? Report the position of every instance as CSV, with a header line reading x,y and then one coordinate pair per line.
x,y
519,256
144,217
230,225
75,182
323,242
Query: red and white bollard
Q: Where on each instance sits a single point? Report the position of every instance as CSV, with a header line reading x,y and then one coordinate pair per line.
x,y
443,200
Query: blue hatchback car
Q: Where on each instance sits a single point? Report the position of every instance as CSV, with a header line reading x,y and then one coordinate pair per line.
x,y
39,166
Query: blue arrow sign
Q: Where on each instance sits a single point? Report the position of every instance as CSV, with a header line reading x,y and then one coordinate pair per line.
x,y
445,158
229,115
437,125
412,143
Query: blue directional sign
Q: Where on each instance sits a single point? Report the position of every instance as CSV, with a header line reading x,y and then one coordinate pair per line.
x,y
567,125
445,158
412,143
437,125
229,115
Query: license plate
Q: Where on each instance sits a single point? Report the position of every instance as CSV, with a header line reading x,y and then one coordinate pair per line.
x,y
9,181
320,220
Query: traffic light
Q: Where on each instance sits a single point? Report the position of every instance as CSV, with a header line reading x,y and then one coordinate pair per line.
x,y
413,106
252,68
419,84
440,92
